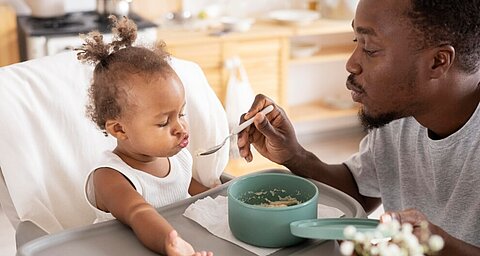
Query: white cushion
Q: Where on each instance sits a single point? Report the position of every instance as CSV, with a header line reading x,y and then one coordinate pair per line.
x,y
47,144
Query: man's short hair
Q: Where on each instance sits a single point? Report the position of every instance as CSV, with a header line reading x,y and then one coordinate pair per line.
x,y
449,22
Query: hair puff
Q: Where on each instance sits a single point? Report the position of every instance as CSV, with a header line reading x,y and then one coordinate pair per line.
x,y
95,50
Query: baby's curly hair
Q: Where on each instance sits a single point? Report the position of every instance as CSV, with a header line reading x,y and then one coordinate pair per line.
x,y
115,63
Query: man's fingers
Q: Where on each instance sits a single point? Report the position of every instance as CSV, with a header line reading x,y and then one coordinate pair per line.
x,y
259,103
263,125
411,216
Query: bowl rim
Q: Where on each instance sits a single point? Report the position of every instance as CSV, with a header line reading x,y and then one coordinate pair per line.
x,y
262,208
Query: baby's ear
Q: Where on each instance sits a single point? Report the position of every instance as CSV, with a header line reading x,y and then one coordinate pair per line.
x,y
115,128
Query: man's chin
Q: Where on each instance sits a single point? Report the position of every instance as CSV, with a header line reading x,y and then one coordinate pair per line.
x,y
370,122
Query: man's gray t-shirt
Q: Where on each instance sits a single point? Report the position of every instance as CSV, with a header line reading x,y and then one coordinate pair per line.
x,y
405,168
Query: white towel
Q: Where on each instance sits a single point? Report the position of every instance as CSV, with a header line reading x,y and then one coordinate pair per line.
x,y
212,214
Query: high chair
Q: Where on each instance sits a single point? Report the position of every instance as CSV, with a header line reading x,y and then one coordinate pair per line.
x,y
47,144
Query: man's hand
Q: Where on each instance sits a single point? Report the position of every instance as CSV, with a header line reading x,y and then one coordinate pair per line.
x,y
453,246
272,135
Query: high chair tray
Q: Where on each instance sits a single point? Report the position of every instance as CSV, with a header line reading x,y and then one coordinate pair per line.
x,y
114,238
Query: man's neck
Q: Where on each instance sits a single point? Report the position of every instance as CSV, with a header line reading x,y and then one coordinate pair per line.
x,y
451,111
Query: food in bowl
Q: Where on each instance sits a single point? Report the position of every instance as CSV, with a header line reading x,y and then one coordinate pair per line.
x,y
283,202
275,200
261,207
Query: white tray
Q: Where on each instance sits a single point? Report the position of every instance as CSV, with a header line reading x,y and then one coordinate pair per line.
x,y
114,238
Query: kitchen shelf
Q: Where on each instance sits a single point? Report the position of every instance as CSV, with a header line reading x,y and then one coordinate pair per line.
x,y
318,110
323,27
329,54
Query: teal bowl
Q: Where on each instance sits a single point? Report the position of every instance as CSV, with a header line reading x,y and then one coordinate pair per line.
x,y
252,217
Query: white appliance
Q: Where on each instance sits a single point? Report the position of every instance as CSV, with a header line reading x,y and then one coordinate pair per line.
x,y
40,37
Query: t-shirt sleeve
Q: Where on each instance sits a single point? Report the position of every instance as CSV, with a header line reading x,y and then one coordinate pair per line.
x,y
362,167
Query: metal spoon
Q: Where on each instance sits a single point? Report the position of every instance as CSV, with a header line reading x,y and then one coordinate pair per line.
x,y
235,131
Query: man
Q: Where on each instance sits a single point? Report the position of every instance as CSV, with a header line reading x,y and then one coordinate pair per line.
x,y
415,72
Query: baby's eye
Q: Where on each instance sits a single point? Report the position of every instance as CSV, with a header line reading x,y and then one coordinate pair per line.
x,y
163,124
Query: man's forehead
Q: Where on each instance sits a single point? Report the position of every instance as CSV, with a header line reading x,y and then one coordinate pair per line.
x,y
375,17
363,30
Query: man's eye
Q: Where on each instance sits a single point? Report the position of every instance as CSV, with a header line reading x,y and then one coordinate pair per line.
x,y
369,53
355,40
181,115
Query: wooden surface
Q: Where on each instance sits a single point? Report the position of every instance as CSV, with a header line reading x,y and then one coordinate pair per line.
x,y
9,52
155,9
238,166
262,50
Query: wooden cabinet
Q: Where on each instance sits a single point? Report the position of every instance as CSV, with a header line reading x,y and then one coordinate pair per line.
x,y
9,53
208,56
265,54
321,102
262,52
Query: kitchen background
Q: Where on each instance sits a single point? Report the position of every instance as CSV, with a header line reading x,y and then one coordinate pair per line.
x,y
292,50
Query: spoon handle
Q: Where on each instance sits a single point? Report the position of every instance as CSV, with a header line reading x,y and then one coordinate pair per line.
x,y
247,123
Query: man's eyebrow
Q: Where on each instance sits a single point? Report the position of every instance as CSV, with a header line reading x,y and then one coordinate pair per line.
x,y
363,30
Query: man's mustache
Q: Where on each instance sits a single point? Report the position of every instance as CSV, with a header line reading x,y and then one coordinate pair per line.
x,y
353,85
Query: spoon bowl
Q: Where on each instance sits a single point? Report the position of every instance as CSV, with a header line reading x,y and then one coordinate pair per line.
x,y
235,131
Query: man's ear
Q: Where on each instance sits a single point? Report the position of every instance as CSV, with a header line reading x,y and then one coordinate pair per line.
x,y
442,60
115,128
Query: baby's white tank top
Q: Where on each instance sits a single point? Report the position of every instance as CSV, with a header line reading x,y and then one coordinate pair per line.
x,y
156,191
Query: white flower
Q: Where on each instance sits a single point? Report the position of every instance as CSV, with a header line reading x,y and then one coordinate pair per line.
x,y
391,239
389,228
436,243
407,228
393,249
411,240
349,232
346,248
374,250
360,238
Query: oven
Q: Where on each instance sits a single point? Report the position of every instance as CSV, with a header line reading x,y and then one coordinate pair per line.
x,y
40,37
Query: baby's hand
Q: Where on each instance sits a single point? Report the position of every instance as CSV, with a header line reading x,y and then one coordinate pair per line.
x,y
176,246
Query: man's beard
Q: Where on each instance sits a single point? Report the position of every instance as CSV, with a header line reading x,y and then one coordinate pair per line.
x,y
371,122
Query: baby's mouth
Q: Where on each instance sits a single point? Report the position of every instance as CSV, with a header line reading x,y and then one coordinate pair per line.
x,y
184,142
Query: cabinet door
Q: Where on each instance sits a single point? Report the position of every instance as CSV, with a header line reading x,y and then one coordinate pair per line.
x,y
263,60
207,56
8,36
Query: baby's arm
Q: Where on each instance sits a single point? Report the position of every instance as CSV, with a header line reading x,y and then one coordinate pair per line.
x,y
116,195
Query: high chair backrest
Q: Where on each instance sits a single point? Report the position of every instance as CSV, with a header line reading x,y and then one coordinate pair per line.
x,y
47,144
